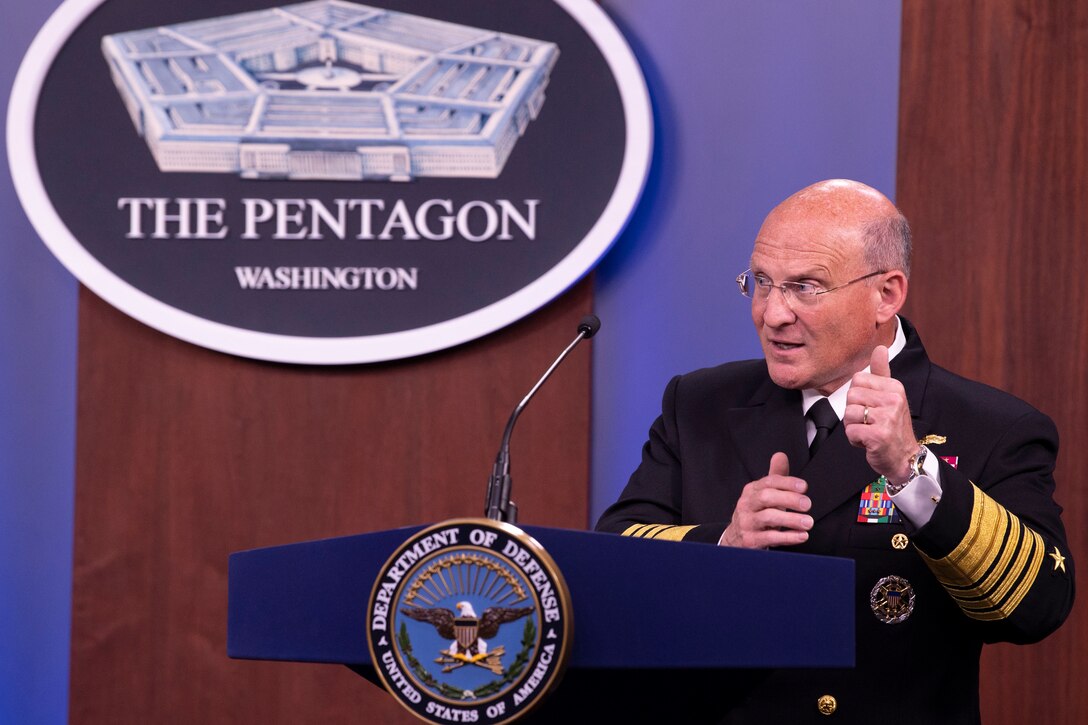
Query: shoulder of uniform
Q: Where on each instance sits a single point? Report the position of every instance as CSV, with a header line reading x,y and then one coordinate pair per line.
x,y
739,375
987,402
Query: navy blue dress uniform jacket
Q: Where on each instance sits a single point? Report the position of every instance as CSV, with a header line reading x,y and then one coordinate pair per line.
x,y
991,565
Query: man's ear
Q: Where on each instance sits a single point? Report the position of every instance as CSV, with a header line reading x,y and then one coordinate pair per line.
x,y
893,295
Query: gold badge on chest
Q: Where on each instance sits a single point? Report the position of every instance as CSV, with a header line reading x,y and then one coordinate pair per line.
x,y
892,599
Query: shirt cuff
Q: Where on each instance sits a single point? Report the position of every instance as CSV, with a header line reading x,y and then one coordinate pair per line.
x,y
919,498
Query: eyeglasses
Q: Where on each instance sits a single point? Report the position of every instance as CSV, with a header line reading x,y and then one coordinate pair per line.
x,y
758,287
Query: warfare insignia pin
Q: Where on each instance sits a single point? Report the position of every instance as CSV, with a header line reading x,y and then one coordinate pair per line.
x,y
953,461
932,440
469,621
876,506
892,599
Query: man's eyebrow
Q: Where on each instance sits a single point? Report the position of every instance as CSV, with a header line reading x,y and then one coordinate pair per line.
x,y
817,274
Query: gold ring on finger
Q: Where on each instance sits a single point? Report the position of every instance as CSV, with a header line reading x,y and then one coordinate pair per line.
x,y
865,416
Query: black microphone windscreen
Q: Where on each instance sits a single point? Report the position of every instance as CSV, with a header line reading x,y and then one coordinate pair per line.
x,y
589,326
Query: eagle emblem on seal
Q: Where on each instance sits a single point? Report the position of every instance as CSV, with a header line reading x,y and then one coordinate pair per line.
x,y
468,633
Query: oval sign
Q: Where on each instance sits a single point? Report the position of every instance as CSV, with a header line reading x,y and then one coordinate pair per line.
x,y
329,182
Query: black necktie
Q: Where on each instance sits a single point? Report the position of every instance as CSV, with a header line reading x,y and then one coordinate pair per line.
x,y
823,415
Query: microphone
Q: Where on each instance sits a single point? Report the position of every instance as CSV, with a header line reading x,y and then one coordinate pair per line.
x,y
497,503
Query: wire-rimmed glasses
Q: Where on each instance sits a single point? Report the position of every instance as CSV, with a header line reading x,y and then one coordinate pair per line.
x,y
758,287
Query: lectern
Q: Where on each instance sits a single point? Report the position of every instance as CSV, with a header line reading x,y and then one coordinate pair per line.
x,y
661,629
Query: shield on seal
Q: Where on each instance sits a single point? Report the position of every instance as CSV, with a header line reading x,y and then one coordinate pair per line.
x,y
465,628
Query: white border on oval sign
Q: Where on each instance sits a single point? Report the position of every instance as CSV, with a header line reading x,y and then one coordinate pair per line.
x,y
320,350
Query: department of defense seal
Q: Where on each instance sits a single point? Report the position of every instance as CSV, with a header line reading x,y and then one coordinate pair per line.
x,y
469,621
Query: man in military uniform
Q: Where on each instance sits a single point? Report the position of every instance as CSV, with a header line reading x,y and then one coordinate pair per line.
x,y
845,440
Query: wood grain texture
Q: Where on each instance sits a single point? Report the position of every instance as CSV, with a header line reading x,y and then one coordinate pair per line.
x,y
185,455
993,175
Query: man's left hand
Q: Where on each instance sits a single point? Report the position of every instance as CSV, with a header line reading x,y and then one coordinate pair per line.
x,y
877,418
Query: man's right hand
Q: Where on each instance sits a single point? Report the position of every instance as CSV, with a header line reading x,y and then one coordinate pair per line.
x,y
767,513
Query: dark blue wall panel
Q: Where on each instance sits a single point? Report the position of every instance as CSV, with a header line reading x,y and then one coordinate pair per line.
x,y
37,438
754,99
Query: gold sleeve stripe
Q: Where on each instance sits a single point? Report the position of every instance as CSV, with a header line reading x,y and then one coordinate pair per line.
x,y
658,531
640,530
673,533
992,569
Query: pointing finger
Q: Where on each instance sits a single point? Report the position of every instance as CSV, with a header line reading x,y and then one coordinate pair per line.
x,y
878,363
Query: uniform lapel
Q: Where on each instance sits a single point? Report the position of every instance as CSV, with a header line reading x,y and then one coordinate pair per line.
x,y
836,473
771,422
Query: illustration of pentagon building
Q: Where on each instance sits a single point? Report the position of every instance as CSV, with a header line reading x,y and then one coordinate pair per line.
x,y
330,90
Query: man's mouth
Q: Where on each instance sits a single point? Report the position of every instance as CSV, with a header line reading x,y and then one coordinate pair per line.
x,y
785,346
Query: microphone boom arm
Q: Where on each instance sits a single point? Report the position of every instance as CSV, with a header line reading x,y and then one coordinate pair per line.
x,y
499,507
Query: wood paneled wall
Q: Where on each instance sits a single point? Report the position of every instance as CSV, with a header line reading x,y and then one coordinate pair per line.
x,y
185,455
993,175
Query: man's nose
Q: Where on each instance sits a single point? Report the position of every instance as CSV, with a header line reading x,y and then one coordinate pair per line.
x,y
776,309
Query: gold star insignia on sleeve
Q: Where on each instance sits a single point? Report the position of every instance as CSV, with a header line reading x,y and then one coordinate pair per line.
x,y
1059,560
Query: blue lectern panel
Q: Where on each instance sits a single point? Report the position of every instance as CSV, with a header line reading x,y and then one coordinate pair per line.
x,y
636,603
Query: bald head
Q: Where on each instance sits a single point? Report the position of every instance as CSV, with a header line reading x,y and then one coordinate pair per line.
x,y
862,216
842,196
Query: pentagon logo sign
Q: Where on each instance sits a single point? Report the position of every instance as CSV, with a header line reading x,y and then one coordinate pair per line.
x,y
469,621
330,90
329,181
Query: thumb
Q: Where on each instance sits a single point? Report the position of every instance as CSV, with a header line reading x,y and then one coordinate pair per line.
x,y
780,465
878,363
